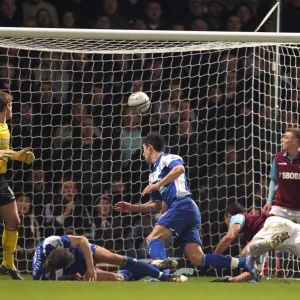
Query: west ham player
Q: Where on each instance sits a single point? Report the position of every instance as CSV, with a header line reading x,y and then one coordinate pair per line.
x,y
269,233
73,257
285,179
8,207
168,184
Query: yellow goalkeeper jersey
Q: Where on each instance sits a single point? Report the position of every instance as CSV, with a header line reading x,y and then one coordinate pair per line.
x,y
4,144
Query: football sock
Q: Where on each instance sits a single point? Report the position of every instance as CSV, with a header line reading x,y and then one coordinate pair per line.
x,y
219,261
9,243
157,249
141,269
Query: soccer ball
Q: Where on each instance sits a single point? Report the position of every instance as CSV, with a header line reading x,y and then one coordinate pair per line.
x,y
140,100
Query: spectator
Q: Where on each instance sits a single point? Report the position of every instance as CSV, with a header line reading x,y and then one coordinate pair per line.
x,y
130,135
196,9
28,233
66,210
290,16
31,7
9,16
107,229
90,168
28,230
30,22
178,26
43,18
131,9
69,20
103,22
244,12
7,72
154,16
52,69
216,14
199,25
110,9
139,25
233,23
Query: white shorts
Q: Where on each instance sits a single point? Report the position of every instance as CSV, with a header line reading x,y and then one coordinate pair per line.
x,y
275,225
293,215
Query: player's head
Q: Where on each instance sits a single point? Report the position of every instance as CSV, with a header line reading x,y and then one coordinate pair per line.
x,y
290,139
6,104
60,258
233,209
153,144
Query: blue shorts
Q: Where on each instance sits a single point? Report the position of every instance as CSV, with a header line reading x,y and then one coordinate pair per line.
x,y
183,218
79,265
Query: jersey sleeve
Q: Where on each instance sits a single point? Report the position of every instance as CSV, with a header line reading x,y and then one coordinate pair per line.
x,y
172,161
237,219
273,172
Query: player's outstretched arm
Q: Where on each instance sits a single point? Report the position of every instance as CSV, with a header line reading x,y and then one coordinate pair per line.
x,y
230,236
84,244
25,155
151,206
271,196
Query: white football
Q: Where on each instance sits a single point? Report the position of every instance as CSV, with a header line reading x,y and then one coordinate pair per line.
x,y
140,100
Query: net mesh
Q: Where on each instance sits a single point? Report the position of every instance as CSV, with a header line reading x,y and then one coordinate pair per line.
x,y
214,103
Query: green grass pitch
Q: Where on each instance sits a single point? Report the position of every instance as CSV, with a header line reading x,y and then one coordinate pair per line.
x,y
195,288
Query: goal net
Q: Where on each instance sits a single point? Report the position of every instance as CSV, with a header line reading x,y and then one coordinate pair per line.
x,y
221,106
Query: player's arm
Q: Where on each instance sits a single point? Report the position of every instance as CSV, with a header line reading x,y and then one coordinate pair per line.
x,y
235,226
176,169
84,245
272,187
151,206
24,155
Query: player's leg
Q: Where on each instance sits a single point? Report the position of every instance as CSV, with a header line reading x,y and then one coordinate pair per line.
x,y
139,269
155,240
191,242
10,216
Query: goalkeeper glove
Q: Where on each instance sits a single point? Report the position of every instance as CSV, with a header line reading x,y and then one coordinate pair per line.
x,y
25,155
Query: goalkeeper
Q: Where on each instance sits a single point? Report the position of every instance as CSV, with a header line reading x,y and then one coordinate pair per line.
x,y
8,207
70,257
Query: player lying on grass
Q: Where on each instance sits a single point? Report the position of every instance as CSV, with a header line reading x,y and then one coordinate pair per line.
x,y
168,185
264,233
70,257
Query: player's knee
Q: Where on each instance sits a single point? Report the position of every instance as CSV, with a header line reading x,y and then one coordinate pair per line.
x,y
196,261
13,224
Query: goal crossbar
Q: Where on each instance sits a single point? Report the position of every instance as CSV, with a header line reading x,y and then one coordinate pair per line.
x,y
163,35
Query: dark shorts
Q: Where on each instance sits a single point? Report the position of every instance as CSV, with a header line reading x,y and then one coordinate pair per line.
x,y
6,194
184,220
79,265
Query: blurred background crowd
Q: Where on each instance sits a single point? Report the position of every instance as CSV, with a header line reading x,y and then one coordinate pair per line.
x,y
214,107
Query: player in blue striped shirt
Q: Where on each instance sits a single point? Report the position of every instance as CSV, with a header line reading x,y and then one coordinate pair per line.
x,y
70,257
168,185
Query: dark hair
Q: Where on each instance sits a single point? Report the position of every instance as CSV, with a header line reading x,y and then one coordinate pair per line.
x,y
60,258
234,209
5,98
295,132
156,140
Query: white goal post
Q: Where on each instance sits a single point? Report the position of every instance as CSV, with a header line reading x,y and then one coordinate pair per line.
x,y
221,100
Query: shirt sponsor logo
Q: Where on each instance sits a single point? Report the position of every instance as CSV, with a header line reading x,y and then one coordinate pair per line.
x,y
289,175
282,164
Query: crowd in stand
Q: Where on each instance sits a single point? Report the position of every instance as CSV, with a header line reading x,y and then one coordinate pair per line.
x,y
212,107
